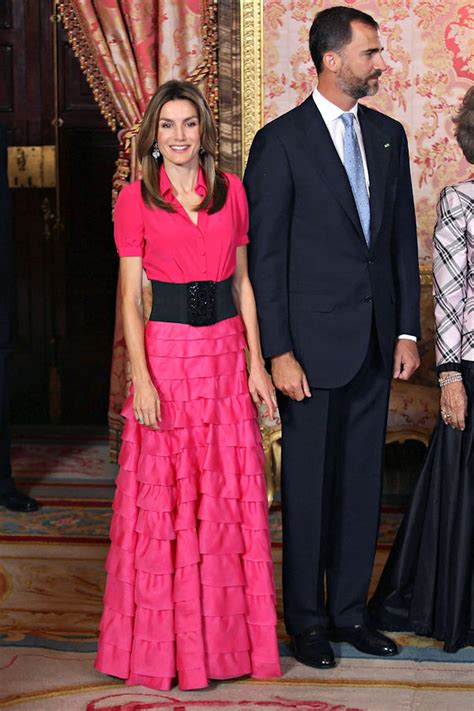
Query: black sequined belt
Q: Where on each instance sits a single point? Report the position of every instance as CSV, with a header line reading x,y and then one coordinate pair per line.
x,y
197,303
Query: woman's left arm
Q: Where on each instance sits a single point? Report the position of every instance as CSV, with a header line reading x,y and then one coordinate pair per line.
x,y
450,273
260,384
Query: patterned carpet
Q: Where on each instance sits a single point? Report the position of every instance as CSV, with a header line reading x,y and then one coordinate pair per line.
x,y
51,583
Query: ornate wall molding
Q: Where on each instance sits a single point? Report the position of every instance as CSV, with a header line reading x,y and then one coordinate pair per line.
x,y
207,70
251,58
230,129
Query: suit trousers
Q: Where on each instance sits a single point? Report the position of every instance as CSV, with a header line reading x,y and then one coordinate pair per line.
x,y
5,464
332,461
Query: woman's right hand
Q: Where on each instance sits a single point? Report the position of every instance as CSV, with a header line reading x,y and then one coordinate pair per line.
x,y
453,405
146,404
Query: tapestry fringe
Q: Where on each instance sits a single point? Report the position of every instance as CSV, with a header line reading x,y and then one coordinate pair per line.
x,y
85,53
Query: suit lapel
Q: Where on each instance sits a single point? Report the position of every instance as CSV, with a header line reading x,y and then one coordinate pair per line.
x,y
377,152
327,163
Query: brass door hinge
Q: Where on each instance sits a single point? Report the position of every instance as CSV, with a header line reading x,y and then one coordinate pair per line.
x,y
32,166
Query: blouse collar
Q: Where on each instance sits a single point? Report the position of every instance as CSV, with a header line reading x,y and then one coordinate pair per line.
x,y
166,189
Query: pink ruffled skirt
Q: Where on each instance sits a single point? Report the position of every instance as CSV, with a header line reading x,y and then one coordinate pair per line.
x,y
190,590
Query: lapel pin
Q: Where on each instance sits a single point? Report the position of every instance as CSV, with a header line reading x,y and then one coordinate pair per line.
x,y
386,145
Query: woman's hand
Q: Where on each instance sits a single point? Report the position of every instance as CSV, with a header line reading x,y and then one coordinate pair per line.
x,y
146,404
453,405
261,389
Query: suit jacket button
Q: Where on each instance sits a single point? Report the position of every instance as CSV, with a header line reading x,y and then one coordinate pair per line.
x,y
370,261
368,299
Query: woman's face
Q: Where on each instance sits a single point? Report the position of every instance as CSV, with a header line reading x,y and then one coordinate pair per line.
x,y
178,133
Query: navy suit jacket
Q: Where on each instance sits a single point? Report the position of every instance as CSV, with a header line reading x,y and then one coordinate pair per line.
x,y
317,284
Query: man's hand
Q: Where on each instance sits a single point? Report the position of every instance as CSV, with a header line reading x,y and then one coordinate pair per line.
x,y
406,359
288,377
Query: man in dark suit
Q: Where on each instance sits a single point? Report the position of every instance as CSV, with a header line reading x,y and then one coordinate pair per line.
x,y
9,494
334,265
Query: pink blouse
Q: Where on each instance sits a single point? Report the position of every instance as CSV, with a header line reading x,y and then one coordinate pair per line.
x,y
172,247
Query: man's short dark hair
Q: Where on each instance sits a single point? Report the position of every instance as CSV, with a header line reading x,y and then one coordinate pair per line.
x,y
464,121
331,31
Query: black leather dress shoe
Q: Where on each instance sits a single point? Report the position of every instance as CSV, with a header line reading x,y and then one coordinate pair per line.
x,y
365,640
312,648
15,500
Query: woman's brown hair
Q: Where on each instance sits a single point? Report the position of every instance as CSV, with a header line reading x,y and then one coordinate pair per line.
x,y
216,180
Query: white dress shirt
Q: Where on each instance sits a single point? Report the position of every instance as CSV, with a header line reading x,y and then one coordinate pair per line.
x,y
331,115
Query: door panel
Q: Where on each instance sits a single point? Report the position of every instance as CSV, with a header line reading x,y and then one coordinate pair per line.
x,y
66,277
22,32
88,290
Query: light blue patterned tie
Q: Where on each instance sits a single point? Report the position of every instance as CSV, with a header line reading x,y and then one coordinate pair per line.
x,y
355,172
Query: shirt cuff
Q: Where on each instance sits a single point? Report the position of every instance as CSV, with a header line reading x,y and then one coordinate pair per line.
x,y
448,367
406,337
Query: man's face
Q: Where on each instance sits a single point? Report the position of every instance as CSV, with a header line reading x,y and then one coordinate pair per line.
x,y
361,62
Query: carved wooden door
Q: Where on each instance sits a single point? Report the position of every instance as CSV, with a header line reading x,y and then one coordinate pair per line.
x,y
66,261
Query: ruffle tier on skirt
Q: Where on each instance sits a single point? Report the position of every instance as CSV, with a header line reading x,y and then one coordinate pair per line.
x,y
190,590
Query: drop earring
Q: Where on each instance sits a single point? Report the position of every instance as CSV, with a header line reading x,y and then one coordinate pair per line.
x,y
155,151
201,151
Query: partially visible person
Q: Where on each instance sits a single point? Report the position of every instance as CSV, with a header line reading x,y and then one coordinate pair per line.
x,y
427,585
189,590
10,496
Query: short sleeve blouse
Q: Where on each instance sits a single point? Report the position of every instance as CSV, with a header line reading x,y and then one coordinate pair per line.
x,y
172,247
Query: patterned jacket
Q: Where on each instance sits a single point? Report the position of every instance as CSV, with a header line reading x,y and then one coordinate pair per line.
x,y
453,276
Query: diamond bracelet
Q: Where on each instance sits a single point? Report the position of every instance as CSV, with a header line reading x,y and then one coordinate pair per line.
x,y
454,378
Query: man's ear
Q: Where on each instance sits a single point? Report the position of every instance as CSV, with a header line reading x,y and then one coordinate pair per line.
x,y
331,61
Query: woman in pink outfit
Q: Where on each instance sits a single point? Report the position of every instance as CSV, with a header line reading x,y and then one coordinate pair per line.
x,y
189,590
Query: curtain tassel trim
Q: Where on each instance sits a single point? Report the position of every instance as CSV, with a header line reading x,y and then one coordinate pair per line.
x,y
89,63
